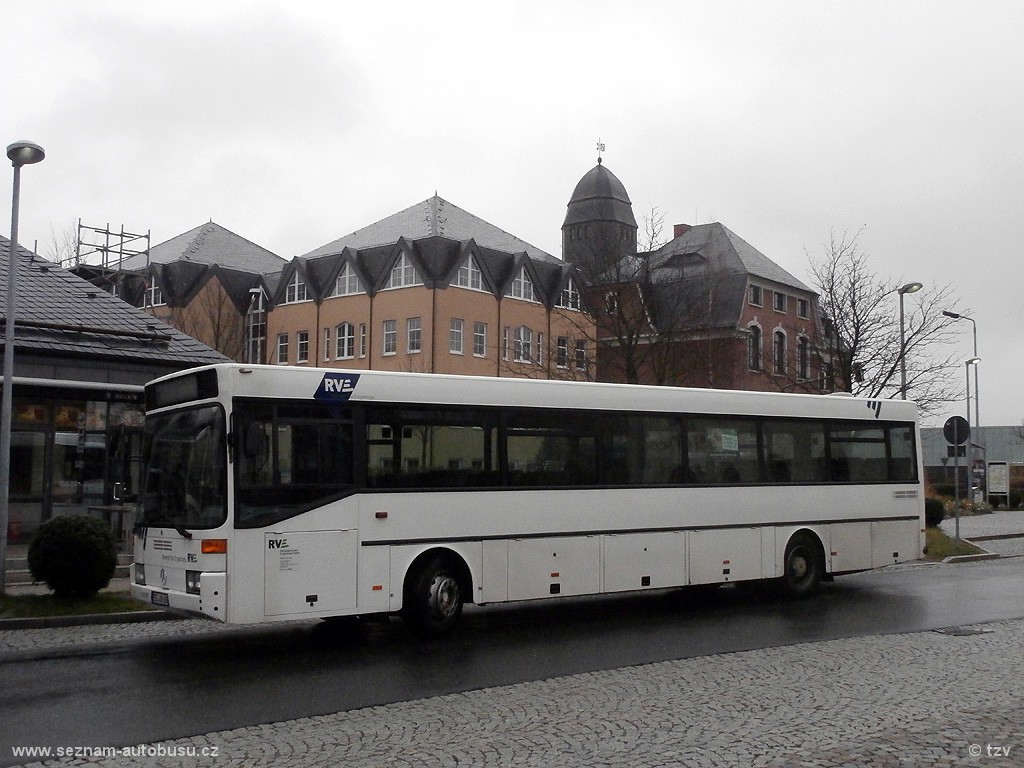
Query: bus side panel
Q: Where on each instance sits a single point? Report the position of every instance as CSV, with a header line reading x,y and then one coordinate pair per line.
x,y
850,547
894,541
494,584
726,555
310,573
375,589
539,568
644,561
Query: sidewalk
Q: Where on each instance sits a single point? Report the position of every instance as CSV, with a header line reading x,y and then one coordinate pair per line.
x,y
939,698
1001,533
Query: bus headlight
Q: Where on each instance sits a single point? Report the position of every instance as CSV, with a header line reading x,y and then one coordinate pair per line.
x,y
192,582
140,574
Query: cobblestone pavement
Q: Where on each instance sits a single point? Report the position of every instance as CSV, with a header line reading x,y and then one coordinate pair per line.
x,y
941,698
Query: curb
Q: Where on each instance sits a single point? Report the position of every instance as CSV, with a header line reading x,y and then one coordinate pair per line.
x,y
971,558
45,622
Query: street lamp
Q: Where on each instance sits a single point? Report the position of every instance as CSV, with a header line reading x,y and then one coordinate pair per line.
x,y
19,153
908,288
970,441
977,409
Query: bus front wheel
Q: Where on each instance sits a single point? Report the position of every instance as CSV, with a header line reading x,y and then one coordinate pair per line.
x,y
804,566
433,599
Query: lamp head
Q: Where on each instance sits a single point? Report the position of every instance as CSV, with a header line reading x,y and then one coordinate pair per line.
x,y
973,361
911,288
24,153
953,315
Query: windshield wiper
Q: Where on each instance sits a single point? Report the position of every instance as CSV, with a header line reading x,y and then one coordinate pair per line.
x,y
180,528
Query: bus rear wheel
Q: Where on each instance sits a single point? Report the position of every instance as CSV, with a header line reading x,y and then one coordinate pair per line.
x,y
804,566
432,605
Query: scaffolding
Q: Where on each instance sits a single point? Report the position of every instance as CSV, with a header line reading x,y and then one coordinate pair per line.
x,y
100,254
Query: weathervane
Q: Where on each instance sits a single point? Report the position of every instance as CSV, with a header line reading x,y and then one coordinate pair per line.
x,y
600,149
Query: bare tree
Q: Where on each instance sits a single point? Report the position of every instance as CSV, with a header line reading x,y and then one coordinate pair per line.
x,y
862,309
62,246
213,319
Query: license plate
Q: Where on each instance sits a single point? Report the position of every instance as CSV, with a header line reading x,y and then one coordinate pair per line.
x,y
160,598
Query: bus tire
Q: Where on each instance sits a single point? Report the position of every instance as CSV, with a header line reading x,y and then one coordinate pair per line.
x,y
804,566
432,605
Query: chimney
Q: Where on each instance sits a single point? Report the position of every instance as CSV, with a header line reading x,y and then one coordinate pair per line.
x,y
680,229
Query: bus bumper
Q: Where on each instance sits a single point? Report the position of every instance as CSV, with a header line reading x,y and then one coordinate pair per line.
x,y
209,603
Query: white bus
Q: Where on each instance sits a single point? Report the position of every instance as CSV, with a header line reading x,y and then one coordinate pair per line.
x,y
274,493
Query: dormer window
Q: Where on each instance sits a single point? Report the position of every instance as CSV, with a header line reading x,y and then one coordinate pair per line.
x,y
522,287
296,290
347,282
570,297
154,294
403,274
470,275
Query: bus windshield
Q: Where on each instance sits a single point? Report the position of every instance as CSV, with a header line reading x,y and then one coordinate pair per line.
x,y
185,472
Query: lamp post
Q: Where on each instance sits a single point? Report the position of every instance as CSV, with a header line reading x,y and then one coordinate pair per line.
x,y
977,410
19,153
908,288
970,442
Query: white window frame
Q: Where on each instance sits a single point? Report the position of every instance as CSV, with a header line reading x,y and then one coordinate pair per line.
x,y
347,282
282,349
327,343
562,352
755,348
302,346
455,336
522,287
362,340
403,274
469,275
414,335
296,291
480,339
523,344
390,341
780,301
780,345
345,341
756,296
569,298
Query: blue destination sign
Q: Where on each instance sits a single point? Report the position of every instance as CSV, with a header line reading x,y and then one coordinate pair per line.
x,y
336,386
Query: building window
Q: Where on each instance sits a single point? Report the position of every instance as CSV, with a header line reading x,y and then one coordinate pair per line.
x,y
611,303
755,348
296,290
803,352
505,334
362,340
346,340
256,327
470,275
480,339
347,282
522,287
540,349
282,348
779,352
803,308
581,355
455,336
414,335
302,347
562,352
524,344
390,337
154,294
327,344
756,297
780,302
403,274
570,297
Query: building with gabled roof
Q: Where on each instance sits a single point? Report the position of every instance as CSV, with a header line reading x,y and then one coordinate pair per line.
x,y
81,357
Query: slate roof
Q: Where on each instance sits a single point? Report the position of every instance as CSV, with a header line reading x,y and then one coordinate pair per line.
x,y
59,313
210,244
726,252
599,196
436,259
432,217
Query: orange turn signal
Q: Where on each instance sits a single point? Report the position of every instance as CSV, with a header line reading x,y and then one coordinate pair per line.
x,y
214,546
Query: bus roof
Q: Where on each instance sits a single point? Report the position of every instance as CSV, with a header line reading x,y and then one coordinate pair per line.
x,y
343,385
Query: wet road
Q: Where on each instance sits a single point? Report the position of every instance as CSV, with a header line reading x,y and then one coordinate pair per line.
x,y
140,691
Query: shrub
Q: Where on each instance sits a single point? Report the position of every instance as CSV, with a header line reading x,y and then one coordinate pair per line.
x,y
74,555
934,512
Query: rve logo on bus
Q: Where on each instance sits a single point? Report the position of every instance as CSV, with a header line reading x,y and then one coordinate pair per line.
x,y
337,387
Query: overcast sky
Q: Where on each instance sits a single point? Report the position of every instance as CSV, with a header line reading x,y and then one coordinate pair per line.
x,y
294,123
